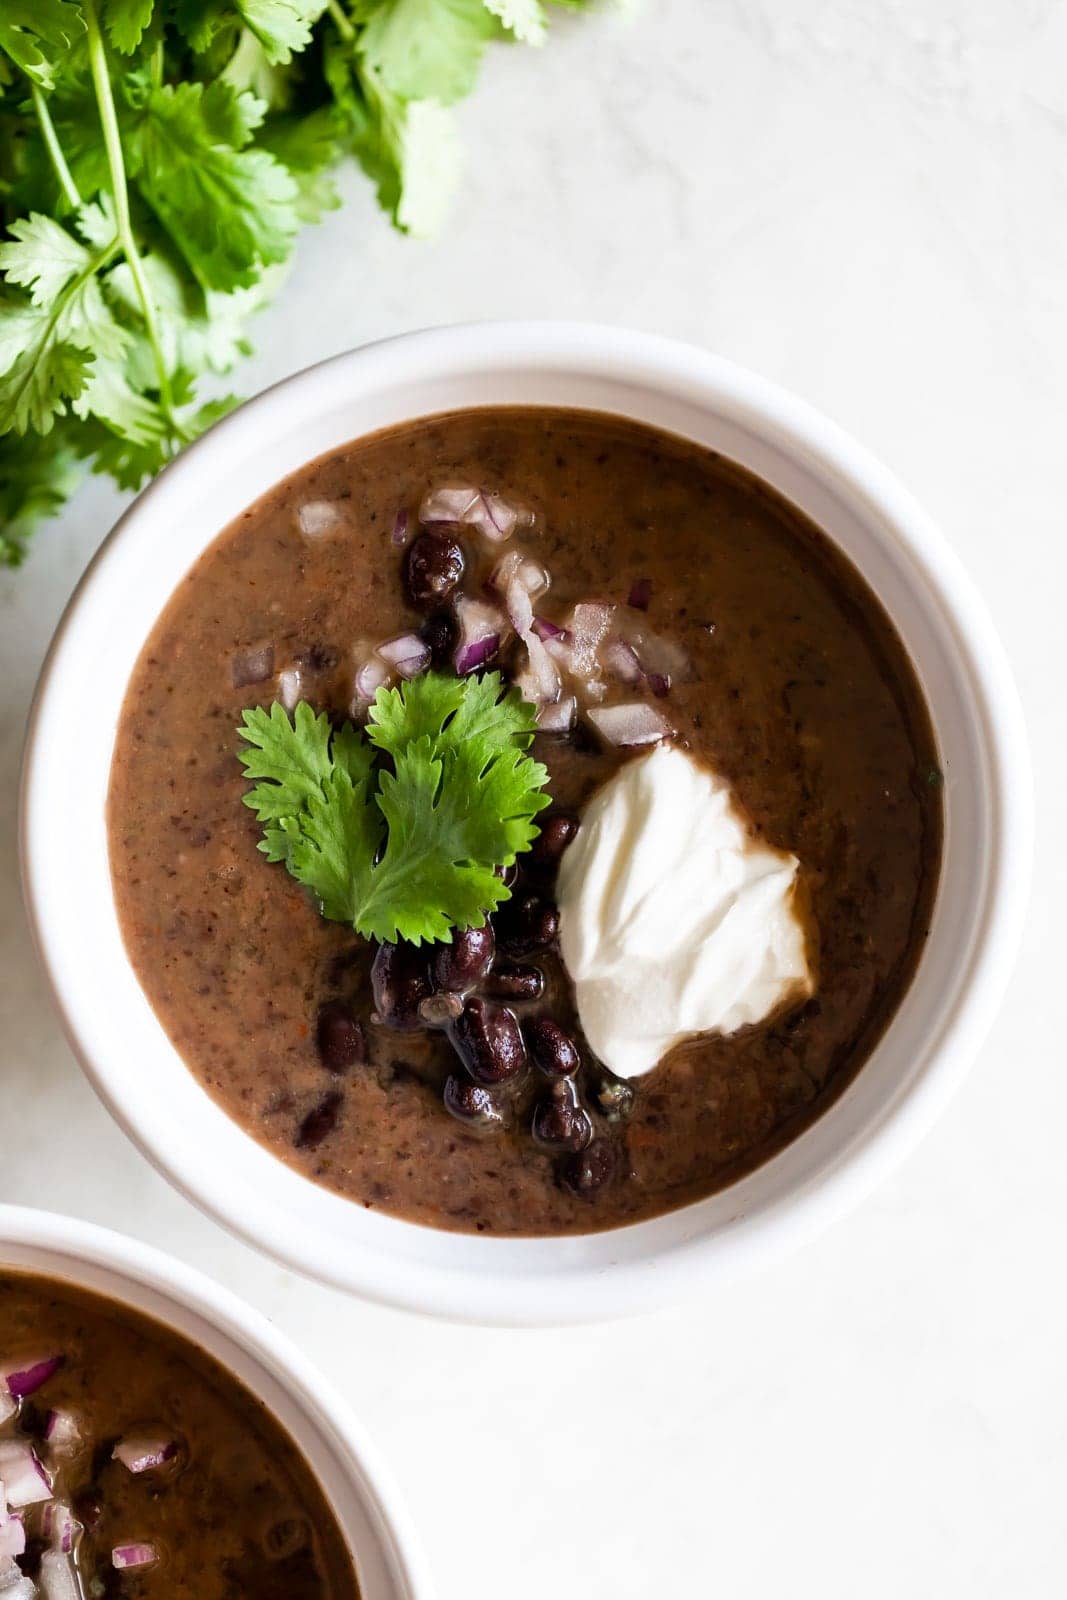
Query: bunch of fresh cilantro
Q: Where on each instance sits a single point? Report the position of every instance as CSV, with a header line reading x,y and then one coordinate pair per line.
x,y
157,160
400,830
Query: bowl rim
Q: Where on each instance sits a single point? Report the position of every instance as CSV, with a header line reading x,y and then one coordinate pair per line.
x,y
612,1287
53,1234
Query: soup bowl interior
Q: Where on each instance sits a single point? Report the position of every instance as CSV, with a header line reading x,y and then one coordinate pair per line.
x,y
388,1561
931,1038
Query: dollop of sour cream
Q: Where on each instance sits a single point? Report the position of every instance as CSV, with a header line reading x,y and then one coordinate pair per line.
x,y
676,918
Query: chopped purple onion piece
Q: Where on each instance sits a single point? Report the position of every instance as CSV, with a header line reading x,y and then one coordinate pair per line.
x,y
58,1578
659,683
12,1536
448,505
61,1430
621,662
481,628
371,676
548,630
589,624
289,687
400,527
558,718
520,608
24,1381
25,1481
470,656
628,725
133,1555
60,1525
143,1454
407,653
252,666
318,518
640,594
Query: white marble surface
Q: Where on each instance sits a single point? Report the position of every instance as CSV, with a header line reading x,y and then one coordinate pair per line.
x,y
865,199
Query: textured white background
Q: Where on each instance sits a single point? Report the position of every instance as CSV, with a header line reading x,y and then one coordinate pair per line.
x,y
867,200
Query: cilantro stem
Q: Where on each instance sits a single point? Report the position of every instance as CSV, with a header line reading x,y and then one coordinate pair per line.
x,y
52,145
120,193
341,22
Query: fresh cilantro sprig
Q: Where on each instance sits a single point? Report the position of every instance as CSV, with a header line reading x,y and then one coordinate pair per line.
x,y
400,830
158,159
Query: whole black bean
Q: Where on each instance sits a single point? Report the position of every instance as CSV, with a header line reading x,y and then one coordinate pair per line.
x,y
319,1122
614,1097
557,831
591,1169
439,633
339,1037
526,926
469,1102
464,963
510,980
433,567
551,1049
560,1122
400,979
488,1040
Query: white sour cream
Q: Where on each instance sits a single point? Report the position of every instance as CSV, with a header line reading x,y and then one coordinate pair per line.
x,y
676,918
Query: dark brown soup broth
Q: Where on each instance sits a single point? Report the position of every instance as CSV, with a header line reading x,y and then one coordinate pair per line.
x,y
798,690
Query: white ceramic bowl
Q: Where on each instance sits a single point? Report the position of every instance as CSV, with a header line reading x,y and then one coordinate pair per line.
x,y
932,1038
388,1559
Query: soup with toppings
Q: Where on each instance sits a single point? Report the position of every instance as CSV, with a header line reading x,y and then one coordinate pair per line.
x,y
132,1463
648,599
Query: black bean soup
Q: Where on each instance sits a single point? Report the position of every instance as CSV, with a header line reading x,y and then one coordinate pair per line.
x,y
676,597
132,1464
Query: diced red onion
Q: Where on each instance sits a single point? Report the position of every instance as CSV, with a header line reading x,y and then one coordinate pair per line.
x,y
252,666
60,1525
533,577
61,1430
400,527
620,660
12,1537
25,1481
407,653
133,1555
317,519
548,630
491,514
558,718
58,1579
630,724
448,505
13,1586
588,625
640,594
481,628
290,687
371,676
543,671
520,608
143,1454
657,654
659,683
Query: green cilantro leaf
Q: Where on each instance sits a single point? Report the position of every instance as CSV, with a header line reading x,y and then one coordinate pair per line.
x,y
409,852
452,712
229,210
126,21
36,34
427,49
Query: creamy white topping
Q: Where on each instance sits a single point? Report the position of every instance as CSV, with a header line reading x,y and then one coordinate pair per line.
x,y
676,918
